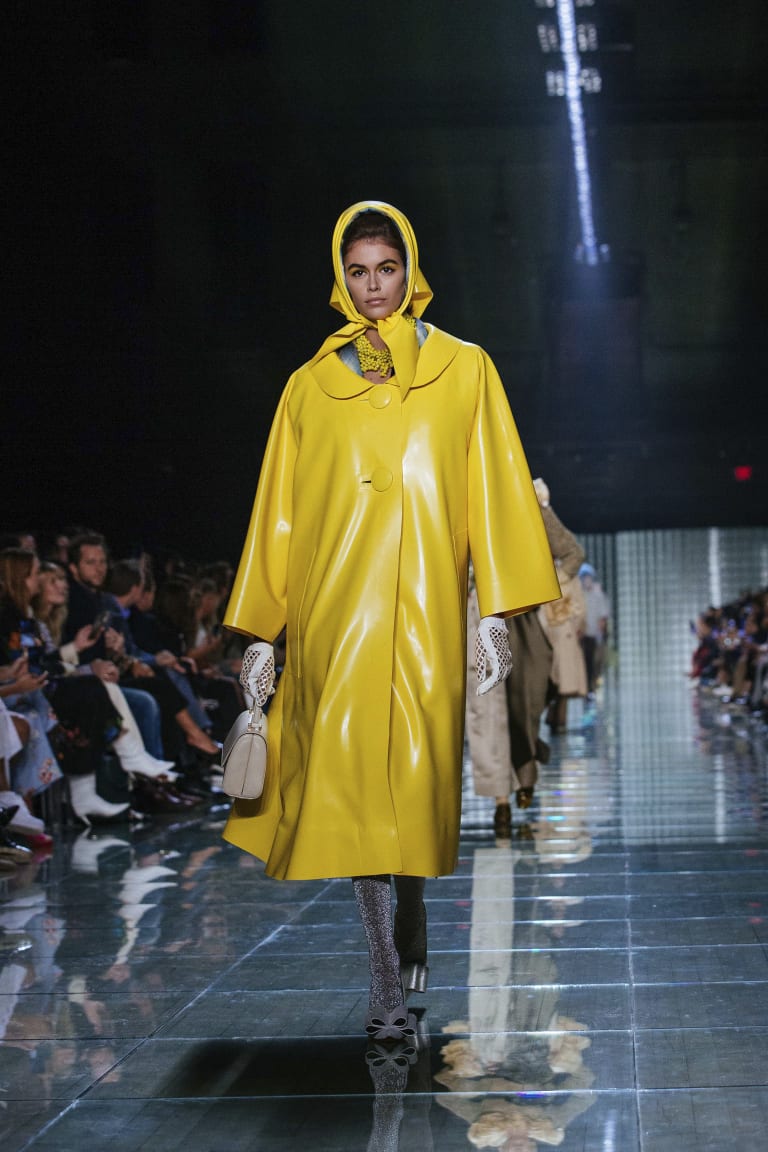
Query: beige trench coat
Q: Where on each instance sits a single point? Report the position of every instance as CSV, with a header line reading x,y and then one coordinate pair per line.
x,y
563,623
503,725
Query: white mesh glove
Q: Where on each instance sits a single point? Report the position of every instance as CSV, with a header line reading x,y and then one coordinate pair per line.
x,y
257,676
493,658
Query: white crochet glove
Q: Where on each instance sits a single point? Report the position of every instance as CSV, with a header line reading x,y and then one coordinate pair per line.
x,y
257,676
493,658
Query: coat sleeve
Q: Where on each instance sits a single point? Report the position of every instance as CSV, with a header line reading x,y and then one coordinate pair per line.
x,y
257,605
562,542
507,541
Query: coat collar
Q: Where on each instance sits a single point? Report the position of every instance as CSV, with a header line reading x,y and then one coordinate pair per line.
x,y
340,382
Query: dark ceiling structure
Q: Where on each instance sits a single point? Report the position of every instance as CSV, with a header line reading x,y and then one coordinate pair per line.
x,y
587,180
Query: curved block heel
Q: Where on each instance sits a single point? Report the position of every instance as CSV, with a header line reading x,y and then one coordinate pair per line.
x,y
415,976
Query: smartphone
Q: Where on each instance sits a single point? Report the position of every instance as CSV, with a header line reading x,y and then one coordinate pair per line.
x,y
100,623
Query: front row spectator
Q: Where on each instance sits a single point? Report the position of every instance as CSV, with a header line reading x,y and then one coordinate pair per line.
x,y
89,603
87,715
731,655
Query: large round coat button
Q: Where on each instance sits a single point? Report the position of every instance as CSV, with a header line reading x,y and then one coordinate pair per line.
x,y
381,479
380,395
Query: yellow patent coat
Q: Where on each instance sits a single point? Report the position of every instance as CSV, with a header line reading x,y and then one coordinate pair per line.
x,y
370,500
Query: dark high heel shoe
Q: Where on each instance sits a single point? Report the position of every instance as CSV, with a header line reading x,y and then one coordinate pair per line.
x,y
204,756
502,821
524,797
410,936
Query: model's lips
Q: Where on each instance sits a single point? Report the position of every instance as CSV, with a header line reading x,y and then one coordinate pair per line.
x,y
376,300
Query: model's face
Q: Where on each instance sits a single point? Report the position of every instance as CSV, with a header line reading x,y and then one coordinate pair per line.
x,y
375,276
91,568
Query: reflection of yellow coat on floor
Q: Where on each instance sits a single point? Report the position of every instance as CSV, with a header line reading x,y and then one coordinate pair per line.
x,y
369,501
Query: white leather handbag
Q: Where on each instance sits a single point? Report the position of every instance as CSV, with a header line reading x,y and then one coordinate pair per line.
x,y
244,756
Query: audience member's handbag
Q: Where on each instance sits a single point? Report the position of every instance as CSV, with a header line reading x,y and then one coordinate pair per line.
x,y
244,756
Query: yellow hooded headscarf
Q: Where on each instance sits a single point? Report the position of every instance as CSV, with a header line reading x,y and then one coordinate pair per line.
x,y
397,334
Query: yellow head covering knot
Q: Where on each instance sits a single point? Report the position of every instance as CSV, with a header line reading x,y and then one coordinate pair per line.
x,y
399,336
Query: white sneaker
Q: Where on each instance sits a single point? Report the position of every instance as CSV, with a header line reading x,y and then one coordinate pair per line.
x,y
23,820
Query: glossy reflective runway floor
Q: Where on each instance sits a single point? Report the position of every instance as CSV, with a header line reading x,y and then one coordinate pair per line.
x,y
599,982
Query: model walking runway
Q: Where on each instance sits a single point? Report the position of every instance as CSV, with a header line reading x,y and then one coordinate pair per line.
x,y
599,980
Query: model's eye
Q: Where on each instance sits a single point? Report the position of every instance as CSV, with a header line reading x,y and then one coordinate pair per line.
x,y
388,268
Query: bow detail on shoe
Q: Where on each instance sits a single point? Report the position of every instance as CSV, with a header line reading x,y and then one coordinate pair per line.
x,y
401,1055
392,1025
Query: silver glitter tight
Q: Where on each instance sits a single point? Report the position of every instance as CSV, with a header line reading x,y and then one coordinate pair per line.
x,y
374,901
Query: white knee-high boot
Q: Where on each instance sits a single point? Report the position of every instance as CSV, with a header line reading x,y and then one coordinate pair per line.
x,y
129,745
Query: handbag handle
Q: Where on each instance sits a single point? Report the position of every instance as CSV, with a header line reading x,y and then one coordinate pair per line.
x,y
255,719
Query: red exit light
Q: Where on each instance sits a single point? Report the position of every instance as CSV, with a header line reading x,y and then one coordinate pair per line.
x,y
742,472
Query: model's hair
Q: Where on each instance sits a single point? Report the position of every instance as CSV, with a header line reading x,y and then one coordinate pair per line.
x,y
125,574
15,566
85,540
52,615
373,226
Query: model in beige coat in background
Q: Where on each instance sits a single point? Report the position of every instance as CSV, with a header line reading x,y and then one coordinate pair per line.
x,y
503,728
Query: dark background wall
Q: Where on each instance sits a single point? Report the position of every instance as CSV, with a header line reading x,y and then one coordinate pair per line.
x,y
174,172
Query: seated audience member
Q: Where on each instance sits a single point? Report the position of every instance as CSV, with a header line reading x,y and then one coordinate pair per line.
x,y
175,623
50,608
35,767
144,626
731,657
153,783
704,663
24,540
128,583
89,719
15,732
58,553
89,603
205,646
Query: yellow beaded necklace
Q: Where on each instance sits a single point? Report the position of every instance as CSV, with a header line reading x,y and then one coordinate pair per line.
x,y
377,359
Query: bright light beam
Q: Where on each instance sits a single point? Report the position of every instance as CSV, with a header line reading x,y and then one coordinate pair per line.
x,y
566,20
